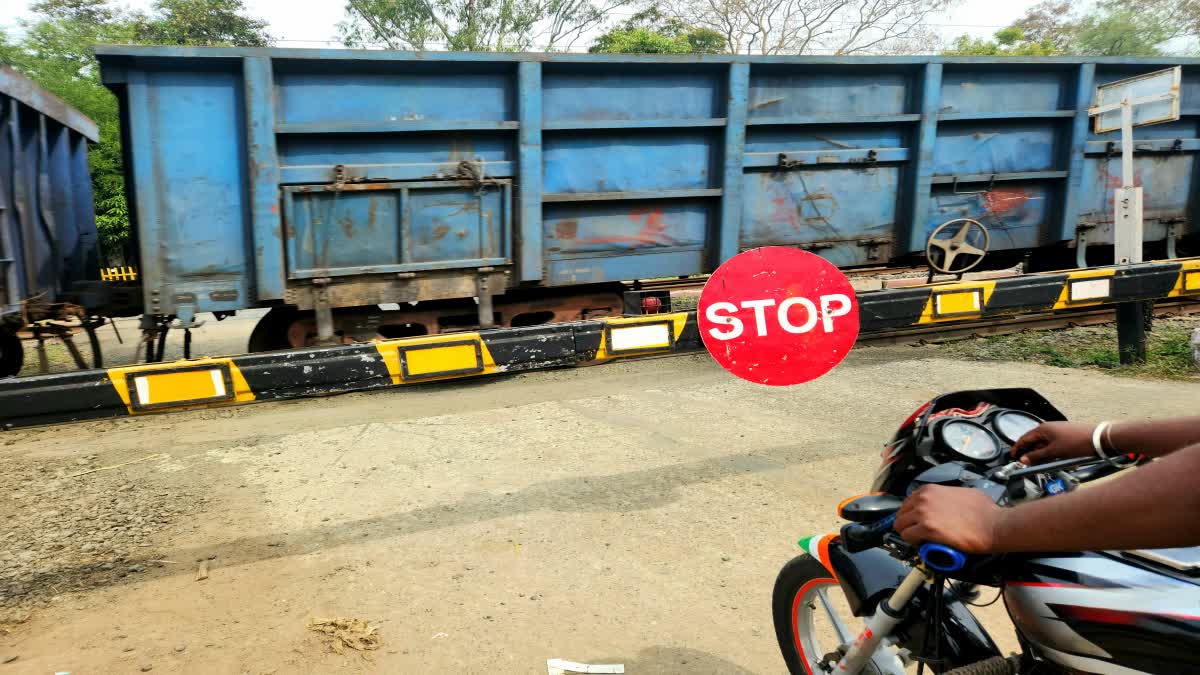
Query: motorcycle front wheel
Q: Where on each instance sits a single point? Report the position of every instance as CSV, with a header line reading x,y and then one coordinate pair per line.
x,y
812,618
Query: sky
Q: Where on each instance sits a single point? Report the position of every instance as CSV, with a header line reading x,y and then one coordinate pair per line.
x,y
313,23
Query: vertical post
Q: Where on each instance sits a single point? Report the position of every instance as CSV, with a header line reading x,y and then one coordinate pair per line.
x,y
266,225
141,103
1074,161
920,179
733,162
1126,143
483,293
529,168
1131,332
323,309
10,289
1127,245
24,193
81,189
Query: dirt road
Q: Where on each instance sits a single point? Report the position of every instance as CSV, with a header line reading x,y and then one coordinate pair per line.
x,y
633,513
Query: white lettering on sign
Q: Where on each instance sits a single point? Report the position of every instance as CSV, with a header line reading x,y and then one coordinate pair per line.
x,y
760,313
828,314
810,311
832,306
734,323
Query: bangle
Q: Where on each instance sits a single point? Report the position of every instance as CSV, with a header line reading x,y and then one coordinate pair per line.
x,y
1097,435
1108,439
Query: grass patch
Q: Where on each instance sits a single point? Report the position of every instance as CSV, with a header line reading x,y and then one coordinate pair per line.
x,y
1169,351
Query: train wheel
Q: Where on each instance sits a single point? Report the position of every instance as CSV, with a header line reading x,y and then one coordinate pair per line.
x,y
12,355
271,331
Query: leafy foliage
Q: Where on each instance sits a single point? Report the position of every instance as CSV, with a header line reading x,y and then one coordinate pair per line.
x,y
472,25
200,22
1105,28
650,32
1010,41
56,52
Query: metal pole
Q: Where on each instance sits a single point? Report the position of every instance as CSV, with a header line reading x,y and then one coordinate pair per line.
x,y
487,315
1126,143
1127,246
1131,332
323,309
324,315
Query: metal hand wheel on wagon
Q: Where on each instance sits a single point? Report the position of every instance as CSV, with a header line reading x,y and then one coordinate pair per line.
x,y
956,246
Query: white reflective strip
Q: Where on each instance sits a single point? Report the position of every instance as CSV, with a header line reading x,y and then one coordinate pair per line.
x,y
1090,289
945,296
640,337
143,389
218,383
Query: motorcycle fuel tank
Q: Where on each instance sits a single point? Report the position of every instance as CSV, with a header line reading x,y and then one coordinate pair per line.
x,y
1089,612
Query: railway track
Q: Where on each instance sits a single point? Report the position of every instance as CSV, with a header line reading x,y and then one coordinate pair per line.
x,y
861,273
82,395
933,333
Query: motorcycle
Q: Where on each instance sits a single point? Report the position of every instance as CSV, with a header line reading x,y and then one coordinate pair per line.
x,y
1118,612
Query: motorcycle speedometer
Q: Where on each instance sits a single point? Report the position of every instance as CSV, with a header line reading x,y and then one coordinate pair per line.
x,y
1013,424
969,439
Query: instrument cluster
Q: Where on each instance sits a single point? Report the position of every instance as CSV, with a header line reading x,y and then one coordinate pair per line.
x,y
984,438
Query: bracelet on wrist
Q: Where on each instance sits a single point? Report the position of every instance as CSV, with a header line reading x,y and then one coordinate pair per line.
x,y
1098,437
1107,438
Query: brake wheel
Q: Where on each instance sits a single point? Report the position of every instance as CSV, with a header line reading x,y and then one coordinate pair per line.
x,y
957,246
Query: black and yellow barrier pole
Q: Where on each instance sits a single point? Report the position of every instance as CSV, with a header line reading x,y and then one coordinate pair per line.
x,y
322,371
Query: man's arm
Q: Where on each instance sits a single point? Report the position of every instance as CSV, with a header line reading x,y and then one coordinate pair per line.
x,y
1064,440
1154,438
1155,506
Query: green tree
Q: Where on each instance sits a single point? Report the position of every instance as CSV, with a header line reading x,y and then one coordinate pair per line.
x,y
56,52
1010,41
1115,30
200,22
650,32
473,25
640,41
1106,28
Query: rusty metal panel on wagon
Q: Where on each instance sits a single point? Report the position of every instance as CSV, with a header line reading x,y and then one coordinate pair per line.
x,y
257,172
48,236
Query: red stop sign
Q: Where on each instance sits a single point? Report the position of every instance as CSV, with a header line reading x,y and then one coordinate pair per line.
x,y
778,316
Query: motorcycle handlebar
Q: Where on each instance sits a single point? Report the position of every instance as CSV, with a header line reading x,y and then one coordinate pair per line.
x,y
942,558
859,537
1077,465
862,536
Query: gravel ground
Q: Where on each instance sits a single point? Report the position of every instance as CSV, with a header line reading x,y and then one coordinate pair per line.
x,y
66,532
632,513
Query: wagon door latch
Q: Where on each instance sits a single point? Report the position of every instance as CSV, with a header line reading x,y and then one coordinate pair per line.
x,y
874,247
785,164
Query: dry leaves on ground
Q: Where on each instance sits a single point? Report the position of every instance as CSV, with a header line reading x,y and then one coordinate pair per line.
x,y
353,633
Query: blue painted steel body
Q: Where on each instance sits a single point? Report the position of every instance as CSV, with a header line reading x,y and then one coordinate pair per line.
x,y
47,227
259,172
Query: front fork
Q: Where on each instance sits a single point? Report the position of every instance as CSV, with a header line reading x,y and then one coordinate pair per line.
x,y
883,622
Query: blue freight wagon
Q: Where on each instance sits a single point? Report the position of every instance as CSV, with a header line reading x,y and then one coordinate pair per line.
x,y
367,193
48,239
